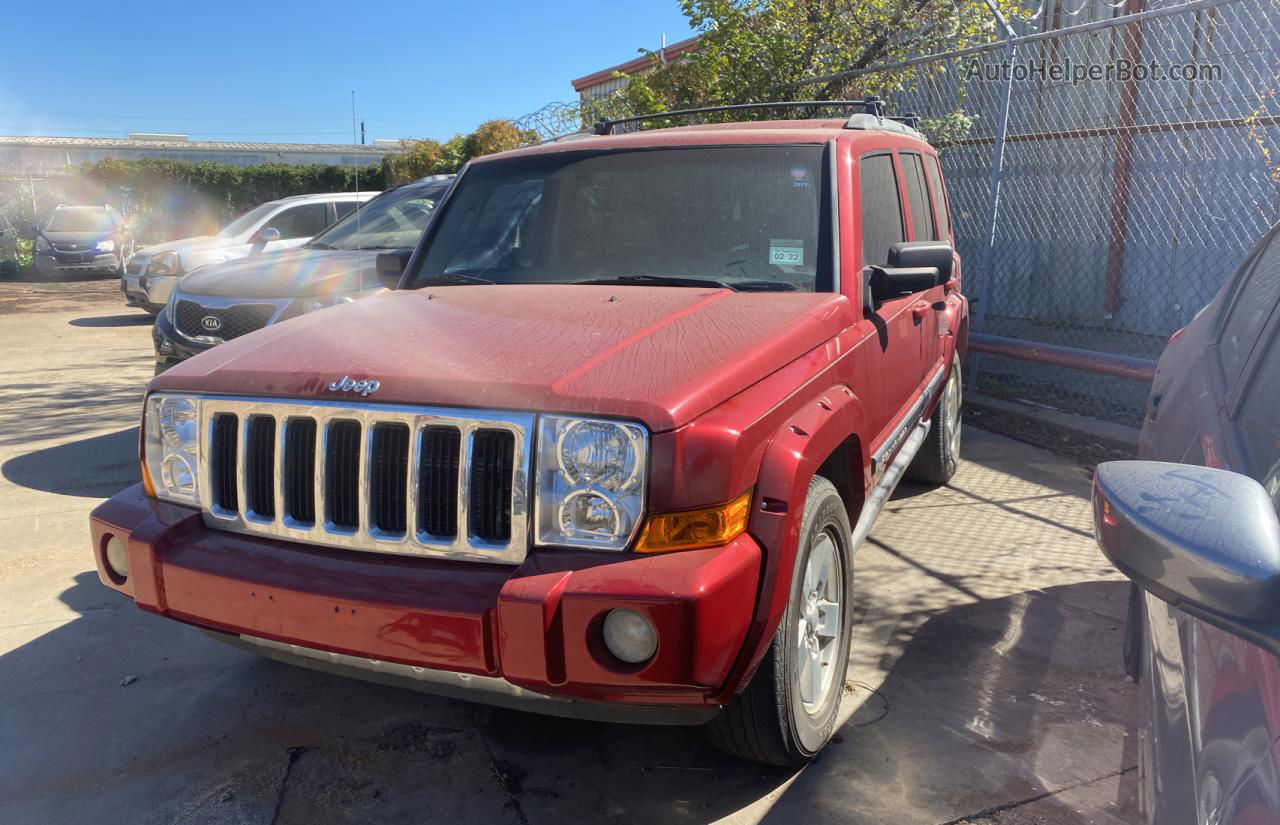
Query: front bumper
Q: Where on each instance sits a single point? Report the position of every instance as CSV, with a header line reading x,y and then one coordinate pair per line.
x,y
527,636
58,263
170,347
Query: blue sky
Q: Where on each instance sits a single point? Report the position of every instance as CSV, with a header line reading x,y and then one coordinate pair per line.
x,y
285,70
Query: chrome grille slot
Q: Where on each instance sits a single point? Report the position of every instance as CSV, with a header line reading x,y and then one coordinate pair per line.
x,y
423,481
490,484
342,475
438,481
260,466
300,471
388,478
222,462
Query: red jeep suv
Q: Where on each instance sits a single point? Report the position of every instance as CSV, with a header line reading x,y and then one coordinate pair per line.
x,y
606,451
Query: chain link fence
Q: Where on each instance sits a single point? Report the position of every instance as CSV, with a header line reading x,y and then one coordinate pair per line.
x,y
1108,169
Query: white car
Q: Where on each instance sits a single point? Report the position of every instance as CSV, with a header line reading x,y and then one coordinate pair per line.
x,y
272,226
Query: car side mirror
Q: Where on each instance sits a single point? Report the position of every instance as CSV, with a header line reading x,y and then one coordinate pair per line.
x,y
920,255
1204,540
885,283
267,234
390,267
35,229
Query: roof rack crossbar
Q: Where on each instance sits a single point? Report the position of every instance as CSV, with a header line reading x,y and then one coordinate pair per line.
x,y
605,127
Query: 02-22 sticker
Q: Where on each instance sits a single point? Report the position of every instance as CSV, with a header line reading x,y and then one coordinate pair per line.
x,y
786,252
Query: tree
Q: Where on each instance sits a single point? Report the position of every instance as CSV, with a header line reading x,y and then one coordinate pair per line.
x,y
497,136
753,51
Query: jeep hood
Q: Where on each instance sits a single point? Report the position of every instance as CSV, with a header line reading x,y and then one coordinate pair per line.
x,y
663,355
290,273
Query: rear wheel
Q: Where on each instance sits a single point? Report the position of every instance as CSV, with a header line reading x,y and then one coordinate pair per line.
x,y
788,712
940,454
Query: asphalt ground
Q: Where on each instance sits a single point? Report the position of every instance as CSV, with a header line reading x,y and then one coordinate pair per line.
x,y
985,683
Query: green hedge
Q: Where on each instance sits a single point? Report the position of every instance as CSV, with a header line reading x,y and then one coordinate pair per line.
x,y
168,199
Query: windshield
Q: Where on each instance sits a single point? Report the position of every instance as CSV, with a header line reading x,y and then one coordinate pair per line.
x,y
747,217
79,220
393,220
247,220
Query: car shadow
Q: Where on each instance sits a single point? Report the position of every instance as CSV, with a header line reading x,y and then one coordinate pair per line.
x,y
136,319
1010,702
93,467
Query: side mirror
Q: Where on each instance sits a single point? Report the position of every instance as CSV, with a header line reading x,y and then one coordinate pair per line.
x,y
267,234
390,267
35,229
921,254
1207,541
913,266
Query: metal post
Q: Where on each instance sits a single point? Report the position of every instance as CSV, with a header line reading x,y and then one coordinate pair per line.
x,y
993,198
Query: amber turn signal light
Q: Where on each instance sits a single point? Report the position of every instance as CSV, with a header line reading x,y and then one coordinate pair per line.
x,y
147,484
692,529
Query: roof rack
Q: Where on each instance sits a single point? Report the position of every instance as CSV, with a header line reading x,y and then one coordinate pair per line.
x,y
871,117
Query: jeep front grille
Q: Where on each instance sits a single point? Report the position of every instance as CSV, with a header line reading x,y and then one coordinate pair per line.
x,y
410,480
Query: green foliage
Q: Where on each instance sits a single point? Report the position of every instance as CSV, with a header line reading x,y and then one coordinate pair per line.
x,y
753,51
430,157
169,199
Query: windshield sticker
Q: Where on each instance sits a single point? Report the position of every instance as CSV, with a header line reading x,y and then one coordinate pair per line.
x,y
799,177
786,253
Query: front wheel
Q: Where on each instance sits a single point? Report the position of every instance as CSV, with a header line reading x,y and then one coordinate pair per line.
x,y
940,453
788,711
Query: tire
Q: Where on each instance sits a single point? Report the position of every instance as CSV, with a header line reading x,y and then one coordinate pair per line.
x,y
772,721
940,454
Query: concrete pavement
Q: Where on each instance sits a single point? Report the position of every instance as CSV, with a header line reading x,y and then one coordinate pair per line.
x,y
985,683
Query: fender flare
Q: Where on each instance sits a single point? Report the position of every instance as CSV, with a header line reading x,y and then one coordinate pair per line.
x,y
792,457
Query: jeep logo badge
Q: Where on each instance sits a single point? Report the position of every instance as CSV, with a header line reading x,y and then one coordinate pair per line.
x,y
364,387
211,323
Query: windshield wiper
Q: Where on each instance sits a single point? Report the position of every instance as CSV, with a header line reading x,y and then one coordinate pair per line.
x,y
659,280
767,286
319,245
453,278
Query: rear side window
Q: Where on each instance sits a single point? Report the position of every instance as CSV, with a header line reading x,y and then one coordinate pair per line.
x,y
934,174
344,208
917,198
1251,309
881,208
301,221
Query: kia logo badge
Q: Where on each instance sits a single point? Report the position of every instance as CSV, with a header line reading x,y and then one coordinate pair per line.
x,y
211,323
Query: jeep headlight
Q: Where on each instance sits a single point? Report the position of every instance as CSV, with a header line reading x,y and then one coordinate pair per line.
x,y
171,448
42,245
105,246
591,481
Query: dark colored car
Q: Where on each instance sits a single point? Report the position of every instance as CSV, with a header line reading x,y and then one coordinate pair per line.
x,y
222,301
1195,527
93,240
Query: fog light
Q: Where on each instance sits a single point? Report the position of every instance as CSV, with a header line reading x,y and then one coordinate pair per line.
x,y
630,636
117,558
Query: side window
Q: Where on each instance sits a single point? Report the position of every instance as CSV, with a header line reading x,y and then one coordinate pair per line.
x,y
934,173
1259,423
881,208
301,221
1252,307
917,199
344,208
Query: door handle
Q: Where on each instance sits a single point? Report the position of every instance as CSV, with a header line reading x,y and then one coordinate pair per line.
x,y
920,310
951,285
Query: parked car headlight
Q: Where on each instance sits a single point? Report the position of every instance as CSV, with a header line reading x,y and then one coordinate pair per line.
x,y
171,447
41,244
106,246
164,263
591,481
